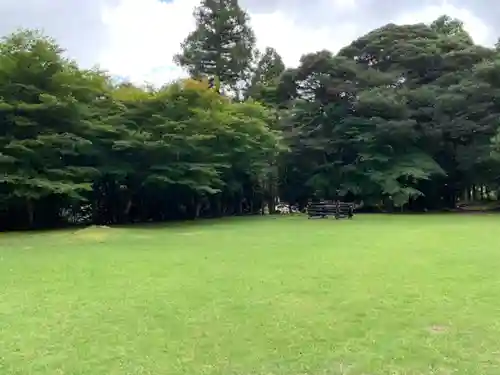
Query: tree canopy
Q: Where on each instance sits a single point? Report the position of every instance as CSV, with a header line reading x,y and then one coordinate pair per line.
x,y
406,117
221,46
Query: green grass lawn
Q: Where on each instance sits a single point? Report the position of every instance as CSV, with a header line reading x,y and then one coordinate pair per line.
x,y
288,296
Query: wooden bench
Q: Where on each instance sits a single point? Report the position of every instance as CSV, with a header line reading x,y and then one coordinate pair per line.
x,y
324,209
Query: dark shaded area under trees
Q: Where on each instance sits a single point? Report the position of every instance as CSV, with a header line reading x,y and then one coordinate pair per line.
x,y
404,118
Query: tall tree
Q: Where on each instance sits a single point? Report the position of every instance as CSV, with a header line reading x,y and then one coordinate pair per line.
x,y
45,132
451,27
268,69
405,116
221,46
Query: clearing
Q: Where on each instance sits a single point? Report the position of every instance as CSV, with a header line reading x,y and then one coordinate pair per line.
x,y
378,294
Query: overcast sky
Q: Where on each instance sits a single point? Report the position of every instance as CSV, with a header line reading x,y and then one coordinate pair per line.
x,y
137,38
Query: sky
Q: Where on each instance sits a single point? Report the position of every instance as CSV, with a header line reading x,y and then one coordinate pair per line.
x,y
136,39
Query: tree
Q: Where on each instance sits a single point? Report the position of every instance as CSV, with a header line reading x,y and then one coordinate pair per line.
x,y
269,68
391,118
72,139
45,133
404,117
451,27
222,45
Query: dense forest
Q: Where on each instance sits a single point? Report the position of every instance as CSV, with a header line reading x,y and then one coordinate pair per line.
x,y
405,118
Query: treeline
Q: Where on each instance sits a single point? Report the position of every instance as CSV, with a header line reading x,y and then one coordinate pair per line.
x,y
404,118
76,147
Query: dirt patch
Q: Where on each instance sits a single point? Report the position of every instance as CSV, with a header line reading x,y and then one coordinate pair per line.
x,y
437,329
98,227
190,233
94,233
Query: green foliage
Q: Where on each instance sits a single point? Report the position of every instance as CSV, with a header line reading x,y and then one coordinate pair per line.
x,y
405,116
269,68
222,45
45,134
69,136
402,116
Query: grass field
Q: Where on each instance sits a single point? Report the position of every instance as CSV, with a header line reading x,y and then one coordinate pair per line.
x,y
255,296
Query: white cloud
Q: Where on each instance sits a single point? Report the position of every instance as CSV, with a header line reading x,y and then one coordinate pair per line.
x,y
344,4
292,41
75,24
145,35
137,39
478,30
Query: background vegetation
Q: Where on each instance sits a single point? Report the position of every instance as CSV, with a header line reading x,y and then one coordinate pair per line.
x,y
405,117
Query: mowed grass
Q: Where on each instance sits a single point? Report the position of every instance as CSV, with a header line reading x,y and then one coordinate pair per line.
x,y
374,295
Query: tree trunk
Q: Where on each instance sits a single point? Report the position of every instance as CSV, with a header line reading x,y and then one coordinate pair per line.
x,y
197,209
128,207
219,206
477,193
30,211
